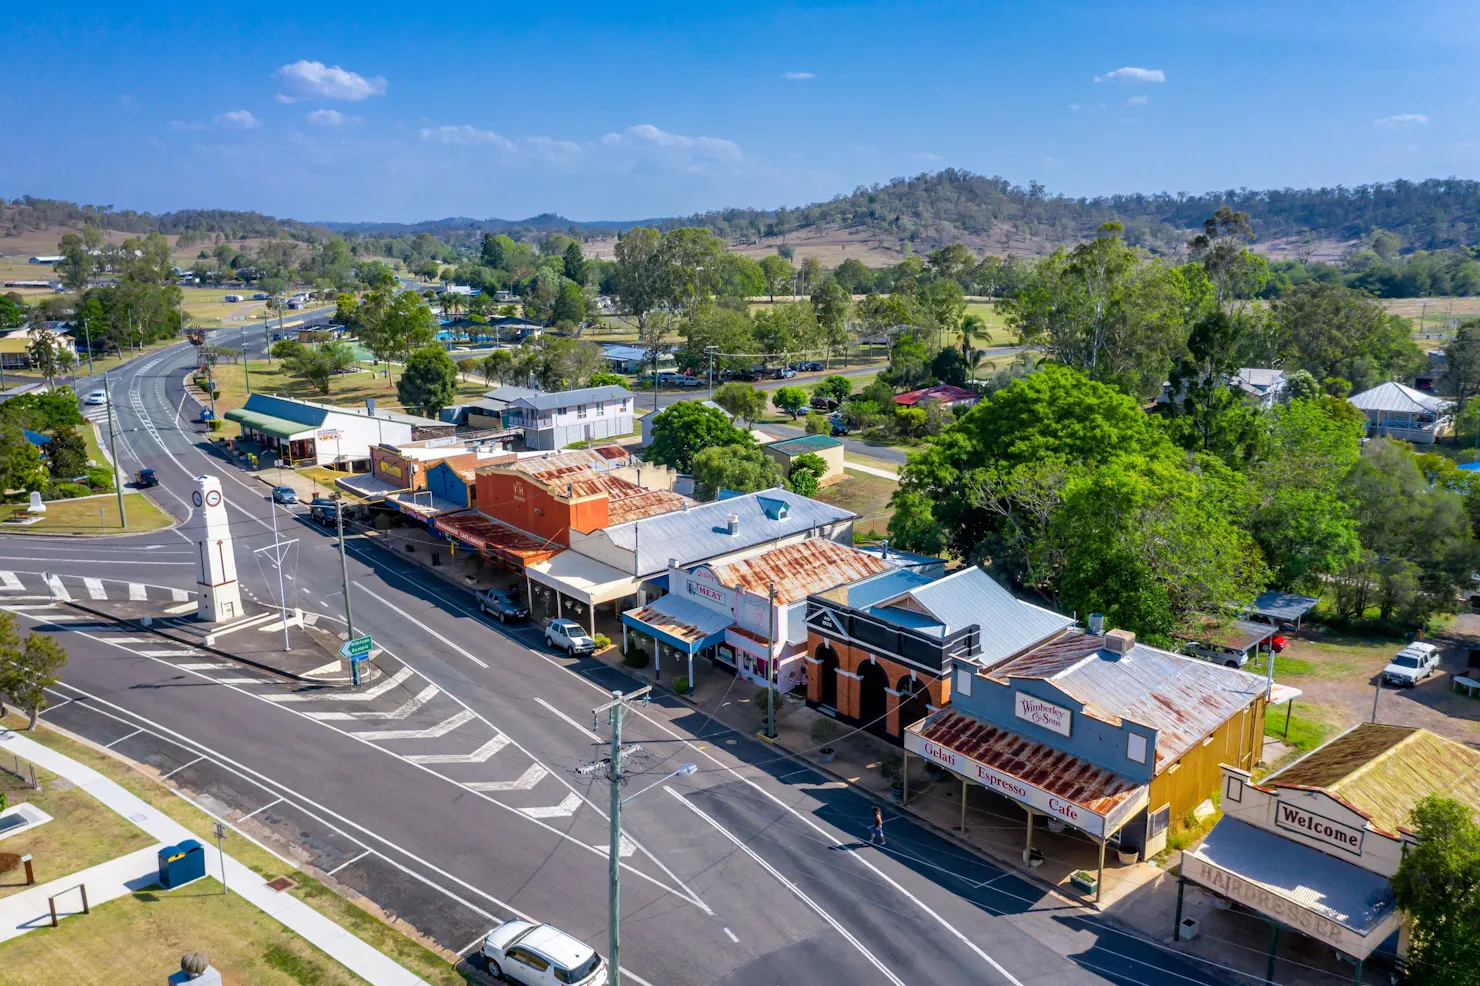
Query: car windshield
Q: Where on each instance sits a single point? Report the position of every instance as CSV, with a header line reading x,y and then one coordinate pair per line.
x,y
580,972
1406,662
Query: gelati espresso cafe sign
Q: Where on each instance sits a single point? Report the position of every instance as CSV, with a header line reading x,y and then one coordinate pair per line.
x,y
1318,827
1040,713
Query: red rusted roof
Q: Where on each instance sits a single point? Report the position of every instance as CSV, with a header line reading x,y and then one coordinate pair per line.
x,y
1060,774
944,393
641,503
800,569
483,532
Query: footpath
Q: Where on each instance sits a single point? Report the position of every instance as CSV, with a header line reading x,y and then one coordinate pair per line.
x,y
120,876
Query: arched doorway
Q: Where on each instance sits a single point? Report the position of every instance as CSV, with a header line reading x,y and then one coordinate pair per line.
x,y
913,702
827,675
873,704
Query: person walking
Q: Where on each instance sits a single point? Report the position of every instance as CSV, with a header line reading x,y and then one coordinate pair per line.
x,y
878,830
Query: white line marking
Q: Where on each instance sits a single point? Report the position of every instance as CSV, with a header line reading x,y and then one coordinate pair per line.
x,y
406,708
836,925
565,809
480,755
322,669
179,596
182,608
94,588
431,732
732,936
532,776
263,808
108,561
606,850
182,767
244,681
136,592
58,591
428,629
9,583
182,653
568,719
122,738
346,863
373,692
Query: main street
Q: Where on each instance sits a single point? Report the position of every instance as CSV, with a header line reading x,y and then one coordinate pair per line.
x,y
449,794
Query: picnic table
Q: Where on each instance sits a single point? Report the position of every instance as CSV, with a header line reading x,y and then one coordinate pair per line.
x,y
1462,683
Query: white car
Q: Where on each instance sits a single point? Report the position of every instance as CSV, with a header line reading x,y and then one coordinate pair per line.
x,y
1413,664
539,955
96,399
569,636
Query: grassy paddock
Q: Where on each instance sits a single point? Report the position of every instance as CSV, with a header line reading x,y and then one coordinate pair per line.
x,y
80,516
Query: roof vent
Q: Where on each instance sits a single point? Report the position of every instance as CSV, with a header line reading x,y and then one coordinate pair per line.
x,y
1120,641
732,522
1097,623
370,406
884,550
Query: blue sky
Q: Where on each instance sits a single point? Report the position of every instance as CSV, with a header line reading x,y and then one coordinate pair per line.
x,y
369,111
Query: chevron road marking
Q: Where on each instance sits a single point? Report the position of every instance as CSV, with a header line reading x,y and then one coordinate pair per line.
x,y
94,588
565,809
136,592
479,755
409,706
365,695
525,781
431,732
627,848
58,591
9,583
192,667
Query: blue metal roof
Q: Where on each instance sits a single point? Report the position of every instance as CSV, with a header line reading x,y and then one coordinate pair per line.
x,y
1283,605
570,398
972,597
862,595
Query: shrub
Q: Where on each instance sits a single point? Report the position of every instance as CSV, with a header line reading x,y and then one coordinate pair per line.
x,y
602,641
4,802
635,658
681,684
760,700
64,491
215,395
891,767
100,477
215,424
824,730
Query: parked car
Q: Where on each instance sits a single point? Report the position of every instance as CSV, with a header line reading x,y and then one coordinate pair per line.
x,y
838,429
569,636
96,398
324,512
539,955
145,478
1413,664
811,366
502,604
232,298
783,373
284,494
1225,656
822,402
1278,643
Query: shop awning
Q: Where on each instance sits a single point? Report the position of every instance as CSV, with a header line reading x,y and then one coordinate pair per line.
x,y
367,486
1090,798
683,625
584,578
268,424
1336,902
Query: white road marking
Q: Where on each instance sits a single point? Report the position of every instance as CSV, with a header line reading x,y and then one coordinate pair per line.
x,y
565,809
181,652
480,755
182,608
347,862
524,782
605,849
797,891
182,767
136,592
58,591
179,596
216,666
263,808
105,561
94,588
428,629
244,681
122,738
568,719
431,732
9,583
732,936
365,695
405,709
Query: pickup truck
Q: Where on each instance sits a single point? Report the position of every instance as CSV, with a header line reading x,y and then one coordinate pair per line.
x,y
1412,664
502,604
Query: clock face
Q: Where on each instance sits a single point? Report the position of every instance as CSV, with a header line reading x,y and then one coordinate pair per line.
x,y
213,498
195,498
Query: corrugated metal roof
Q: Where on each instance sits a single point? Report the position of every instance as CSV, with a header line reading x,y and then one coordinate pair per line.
x,y
700,532
1335,889
862,595
971,597
503,395
805,444
482,531
1399,399
1283,605
799,569
678,617
1060,774
570,398
268,424
1182,698
1234,634
940,392
1382,772
558,466
641,503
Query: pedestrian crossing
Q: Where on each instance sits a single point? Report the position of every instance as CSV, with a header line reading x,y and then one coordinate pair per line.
x,y
67,588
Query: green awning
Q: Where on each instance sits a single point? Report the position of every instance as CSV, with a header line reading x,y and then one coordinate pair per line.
x,y
268,424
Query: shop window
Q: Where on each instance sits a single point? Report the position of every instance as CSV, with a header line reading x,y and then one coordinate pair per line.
x,y
1158,821
1135,747
1235,792
963,682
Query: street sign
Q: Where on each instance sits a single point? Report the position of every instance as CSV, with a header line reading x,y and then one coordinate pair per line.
x,y
357,649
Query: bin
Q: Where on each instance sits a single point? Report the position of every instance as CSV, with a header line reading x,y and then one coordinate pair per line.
x,y
180,864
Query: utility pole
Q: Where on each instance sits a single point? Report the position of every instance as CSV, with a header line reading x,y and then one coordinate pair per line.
x,y
349,616
278,556
87,335
771,663
113,451
246,367
613,765
709,351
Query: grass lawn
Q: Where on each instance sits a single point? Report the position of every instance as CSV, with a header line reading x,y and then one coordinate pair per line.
x,y
868,496
1333,658
321,475
82,833
348,390
1310,725
227,929
868,460
80,516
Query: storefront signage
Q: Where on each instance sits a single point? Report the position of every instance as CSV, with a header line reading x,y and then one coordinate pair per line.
x,y
1319,828
707,593
1021,791
389,468
1052,717
330,434
1283,910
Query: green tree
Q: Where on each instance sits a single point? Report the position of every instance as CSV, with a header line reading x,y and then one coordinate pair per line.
x,y
347,309
642,277
1333,331
47,353
604,379
854,277
21,466
778,273
568,363
950,367
67,453
830,305
406,324
11,648
570,304
78,262
945,302
790,399
1438,886
498,366
835,386
429,382
806,474
1462,362
316,364
743,401
28,674
742,469
913,526
817,423
683,429
574,263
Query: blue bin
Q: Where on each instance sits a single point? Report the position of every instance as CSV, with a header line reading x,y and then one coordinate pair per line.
x,y
180,864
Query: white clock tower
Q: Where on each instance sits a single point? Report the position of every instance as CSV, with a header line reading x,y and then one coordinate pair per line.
x,y
215,558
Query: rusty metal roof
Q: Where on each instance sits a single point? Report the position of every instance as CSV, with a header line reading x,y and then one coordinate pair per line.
x,y
1237,635
1381,772
1182,698
680,618
1060,774
483,532
553,467
800,569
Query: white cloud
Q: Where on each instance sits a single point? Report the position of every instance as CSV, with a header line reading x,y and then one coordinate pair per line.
x,y
798,76
315,80
1130,74
1138,101
1401,120
464,134
927,156
1075,107
239,119
645,135
328,118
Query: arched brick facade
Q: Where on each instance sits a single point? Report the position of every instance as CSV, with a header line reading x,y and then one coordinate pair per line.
x,y
850,658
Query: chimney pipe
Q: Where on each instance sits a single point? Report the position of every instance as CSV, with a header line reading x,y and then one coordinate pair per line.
x,y
733,521
884,550
1097,623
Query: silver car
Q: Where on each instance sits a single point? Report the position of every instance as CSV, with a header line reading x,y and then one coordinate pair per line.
x,y
538,955
569,636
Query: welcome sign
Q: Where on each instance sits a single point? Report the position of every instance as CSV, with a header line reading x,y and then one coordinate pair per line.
x,y
1318,827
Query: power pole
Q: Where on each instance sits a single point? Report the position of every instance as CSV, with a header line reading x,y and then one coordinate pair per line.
x,y
349,616
246,367
771,663
87,335
612,765
113,451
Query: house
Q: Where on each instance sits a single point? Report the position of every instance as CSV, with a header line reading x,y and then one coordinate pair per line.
x,y
749,613
447,480
944,394
635,359
1311,847
15,343
553,421
493,410
1099,734
649,419
1396,411
829,450
47,260
307,432
1264,385
882,650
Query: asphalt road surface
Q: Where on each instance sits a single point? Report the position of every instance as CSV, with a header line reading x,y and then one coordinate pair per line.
x,y
449,790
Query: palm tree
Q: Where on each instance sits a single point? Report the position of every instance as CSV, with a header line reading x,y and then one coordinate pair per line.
x,y
977,359
972,328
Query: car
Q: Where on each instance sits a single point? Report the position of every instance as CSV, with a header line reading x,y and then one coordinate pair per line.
x,y
811,366
232,298
323,511
1278,643
569,636
838,430
1412,664
96,398
284,494
520,951
502,604
145,478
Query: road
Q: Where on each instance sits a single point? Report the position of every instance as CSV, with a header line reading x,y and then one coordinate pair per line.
x,y
448,792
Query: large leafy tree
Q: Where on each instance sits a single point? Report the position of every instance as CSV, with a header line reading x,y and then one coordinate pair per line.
x,y
1438,886
730,332
682,430
778,273
743,401
740,468
643,282
404,325
27,672
1335,332
429,382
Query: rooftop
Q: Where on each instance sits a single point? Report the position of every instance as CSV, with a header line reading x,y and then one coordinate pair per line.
x,y
570,398
799,569
1381,772
312,413
943,392
1399,399
1237,635
1182,698
559,467
1283,605
505,394
807,443
678,617
482,531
